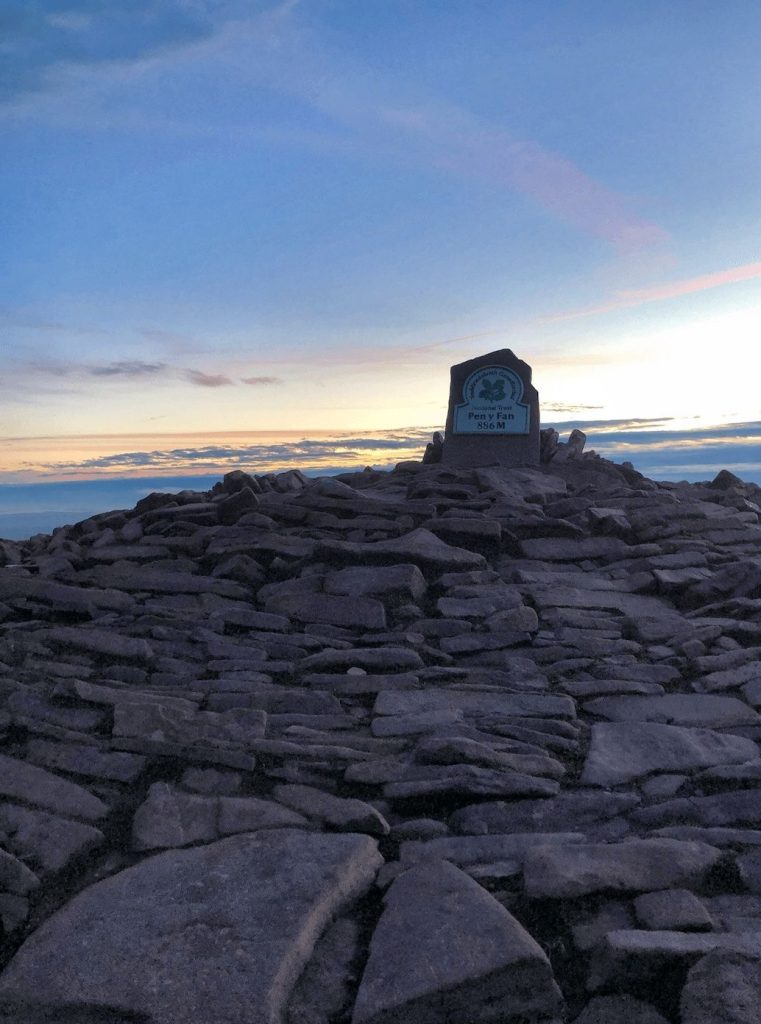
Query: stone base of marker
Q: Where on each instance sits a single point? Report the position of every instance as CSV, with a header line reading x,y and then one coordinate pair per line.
x,y
493,416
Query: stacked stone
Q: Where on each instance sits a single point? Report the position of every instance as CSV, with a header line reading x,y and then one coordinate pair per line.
x,y
427,745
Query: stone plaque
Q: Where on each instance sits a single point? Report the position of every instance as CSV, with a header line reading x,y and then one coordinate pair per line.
x,y
493,413
492,403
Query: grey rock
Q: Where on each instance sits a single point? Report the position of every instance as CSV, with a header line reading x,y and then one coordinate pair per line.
x,y
83,759
622,751
475,703
567,811
619,1010
444,949
167,722
250,813
351,612
32,785
630,958
467,780
346,815
452,749
63,596
737,806
163,581
419,546
672,909
324,989
16,877
566,549
465,850
722,988
168,818
391,582
46,840
380,659
590,930
15,1011
100,641
676,709
414,724
198,934
639,865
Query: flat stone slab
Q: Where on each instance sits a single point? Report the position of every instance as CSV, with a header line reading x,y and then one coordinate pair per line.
x,y
44,839
337,610
419,546
732,807
446,950
723,987
619,1010
567,811
401,582
640,865
463,850
629,957
371,659
32,785
622,751
528,705
676,709
218,934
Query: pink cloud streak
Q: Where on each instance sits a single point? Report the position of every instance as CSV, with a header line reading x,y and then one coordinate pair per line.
x,y
661,292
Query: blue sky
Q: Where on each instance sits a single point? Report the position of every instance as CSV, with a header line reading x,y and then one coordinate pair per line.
x,y
223,215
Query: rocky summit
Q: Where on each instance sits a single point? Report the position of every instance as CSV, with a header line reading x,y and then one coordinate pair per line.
x,y
439,745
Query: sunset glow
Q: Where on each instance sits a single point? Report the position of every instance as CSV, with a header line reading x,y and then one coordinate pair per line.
x,y
264,232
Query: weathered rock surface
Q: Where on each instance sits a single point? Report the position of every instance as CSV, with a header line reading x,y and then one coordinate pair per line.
x,y
537,691
722,988
622,751
197,934
444,949
640,865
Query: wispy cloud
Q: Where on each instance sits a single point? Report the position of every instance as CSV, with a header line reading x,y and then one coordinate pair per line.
x,y
82,33
207,380
130,368
138,369
348,450
457,140
628,299
567,407
657,449
358,109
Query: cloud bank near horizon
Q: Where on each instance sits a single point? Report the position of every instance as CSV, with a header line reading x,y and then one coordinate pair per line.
x,y
651,444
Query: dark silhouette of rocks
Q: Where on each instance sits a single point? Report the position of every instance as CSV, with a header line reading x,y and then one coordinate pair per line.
x,y
433,744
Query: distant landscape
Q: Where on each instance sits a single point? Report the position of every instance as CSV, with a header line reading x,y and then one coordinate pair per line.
x,y
57,481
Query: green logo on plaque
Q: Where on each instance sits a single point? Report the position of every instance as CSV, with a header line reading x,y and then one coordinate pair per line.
x,y
492,403
492,391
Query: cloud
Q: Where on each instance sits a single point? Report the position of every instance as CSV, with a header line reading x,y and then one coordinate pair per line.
x,y
130,368
358,110
38,46
135,369
255,381
628,299
474,148
566,407
207,380
654,449
348,450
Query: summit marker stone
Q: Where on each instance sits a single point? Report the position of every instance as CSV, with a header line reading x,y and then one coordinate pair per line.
x,y
493,415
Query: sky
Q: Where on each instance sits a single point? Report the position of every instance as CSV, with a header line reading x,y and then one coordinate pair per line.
x,y
226,216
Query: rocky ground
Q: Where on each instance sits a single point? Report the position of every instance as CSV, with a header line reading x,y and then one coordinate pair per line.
x,y
420,746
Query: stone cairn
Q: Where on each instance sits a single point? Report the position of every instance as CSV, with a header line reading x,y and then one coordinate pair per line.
x,y
439,744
